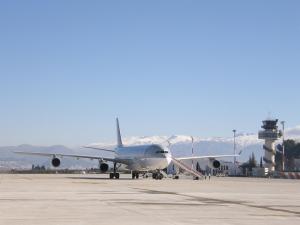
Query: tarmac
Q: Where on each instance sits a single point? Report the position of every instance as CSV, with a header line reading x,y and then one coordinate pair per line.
x,y
94,199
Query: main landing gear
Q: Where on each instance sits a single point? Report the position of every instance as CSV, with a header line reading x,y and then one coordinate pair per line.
x,y
114,174
135,175
157,175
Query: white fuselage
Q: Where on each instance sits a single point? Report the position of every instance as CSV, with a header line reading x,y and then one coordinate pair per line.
x,y
144,157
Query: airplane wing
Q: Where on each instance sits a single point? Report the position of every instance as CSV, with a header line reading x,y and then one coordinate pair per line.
x,y
68,155
190,170
100,149
206,157
187,168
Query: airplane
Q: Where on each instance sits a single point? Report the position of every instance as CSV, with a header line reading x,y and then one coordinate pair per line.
x,y
138,159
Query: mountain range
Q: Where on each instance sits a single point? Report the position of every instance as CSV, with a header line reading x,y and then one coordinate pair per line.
x,y
180,145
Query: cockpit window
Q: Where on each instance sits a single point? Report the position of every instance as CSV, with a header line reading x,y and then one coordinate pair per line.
x,y
161,151
156,151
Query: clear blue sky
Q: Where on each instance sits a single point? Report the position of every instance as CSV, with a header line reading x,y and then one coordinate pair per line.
x,y
68,68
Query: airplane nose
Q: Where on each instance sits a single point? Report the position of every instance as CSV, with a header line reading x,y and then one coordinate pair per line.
x,y
155,151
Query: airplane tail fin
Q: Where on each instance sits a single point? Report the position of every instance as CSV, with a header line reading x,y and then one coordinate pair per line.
x,y
119,138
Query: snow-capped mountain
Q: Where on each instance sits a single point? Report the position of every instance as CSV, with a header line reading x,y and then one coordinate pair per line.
x,y
181,145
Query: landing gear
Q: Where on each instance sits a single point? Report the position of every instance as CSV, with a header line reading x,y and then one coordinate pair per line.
x,y
160,176
114,174
111,176
135,175
157,176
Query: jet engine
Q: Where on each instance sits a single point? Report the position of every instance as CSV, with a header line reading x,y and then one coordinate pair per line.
x,y
103,167
55,162
214,164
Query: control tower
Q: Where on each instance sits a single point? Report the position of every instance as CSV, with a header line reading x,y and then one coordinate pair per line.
x,y
270,134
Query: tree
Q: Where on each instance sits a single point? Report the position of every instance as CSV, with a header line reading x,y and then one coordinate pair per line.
x,y
247,166
291,152
261,162
252,161
198,167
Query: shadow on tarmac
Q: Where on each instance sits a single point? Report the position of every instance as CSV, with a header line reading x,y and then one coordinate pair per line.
x,y
223,202
97,178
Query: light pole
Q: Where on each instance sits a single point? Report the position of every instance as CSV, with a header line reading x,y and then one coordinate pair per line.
x,y
283,159
192,152
234,151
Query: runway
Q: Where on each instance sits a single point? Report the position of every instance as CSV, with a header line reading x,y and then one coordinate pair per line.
x,y
93,199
